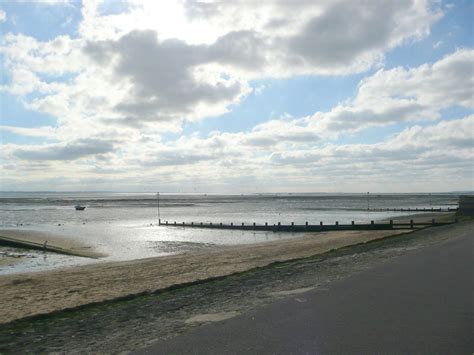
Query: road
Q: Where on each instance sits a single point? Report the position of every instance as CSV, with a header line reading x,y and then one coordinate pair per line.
x,y
420,303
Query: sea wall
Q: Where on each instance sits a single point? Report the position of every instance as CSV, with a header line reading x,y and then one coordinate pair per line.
x,y
466,205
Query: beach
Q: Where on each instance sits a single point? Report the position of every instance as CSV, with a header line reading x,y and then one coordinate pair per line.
x,y
29,294
93,278
167,306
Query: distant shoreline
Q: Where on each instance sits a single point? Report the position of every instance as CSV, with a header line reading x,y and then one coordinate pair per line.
x,y
235,193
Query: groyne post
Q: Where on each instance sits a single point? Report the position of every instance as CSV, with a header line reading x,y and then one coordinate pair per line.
x,y
158,200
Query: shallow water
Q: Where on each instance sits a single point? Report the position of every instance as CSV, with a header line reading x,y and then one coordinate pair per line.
x,y
124,226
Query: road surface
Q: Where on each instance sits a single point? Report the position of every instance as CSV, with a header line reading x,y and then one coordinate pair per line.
x,y
419,303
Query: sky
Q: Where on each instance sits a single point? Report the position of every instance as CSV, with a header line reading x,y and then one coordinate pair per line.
x,y
237,96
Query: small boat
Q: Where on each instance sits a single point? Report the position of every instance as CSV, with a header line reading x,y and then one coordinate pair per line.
x,y
80,208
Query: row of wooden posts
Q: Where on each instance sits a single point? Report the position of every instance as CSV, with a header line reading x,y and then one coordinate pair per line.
x,y
317,228
307,227
449,209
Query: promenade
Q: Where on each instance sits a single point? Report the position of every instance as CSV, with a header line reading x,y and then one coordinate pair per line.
x,y
422,302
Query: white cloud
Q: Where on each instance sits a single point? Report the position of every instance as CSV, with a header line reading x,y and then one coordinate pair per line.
x,y
166,81
42,132
3,15
443,150
173,78
388,96
448,81
60,151
155,69
259,89
397,95
132,76
67,22
48,2
444,135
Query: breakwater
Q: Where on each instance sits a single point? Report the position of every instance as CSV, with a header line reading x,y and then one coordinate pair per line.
x,y
444,210
292,227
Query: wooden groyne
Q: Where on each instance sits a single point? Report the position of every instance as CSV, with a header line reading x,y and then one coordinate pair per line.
x,y
449,209
295,228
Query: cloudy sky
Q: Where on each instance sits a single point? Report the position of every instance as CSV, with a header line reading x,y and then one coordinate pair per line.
x,y
237,96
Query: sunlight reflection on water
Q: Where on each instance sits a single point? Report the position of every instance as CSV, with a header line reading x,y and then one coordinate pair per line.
x,y
125,227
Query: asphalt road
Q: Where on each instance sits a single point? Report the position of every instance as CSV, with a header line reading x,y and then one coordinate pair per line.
x,y
422,303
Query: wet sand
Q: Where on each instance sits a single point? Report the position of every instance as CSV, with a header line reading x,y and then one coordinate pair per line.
x,y
25,295
10,256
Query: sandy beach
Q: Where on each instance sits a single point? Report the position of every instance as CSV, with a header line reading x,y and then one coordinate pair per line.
x,y
30,294
128,323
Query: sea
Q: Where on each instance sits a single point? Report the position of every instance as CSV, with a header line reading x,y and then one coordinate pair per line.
x,y
124,226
